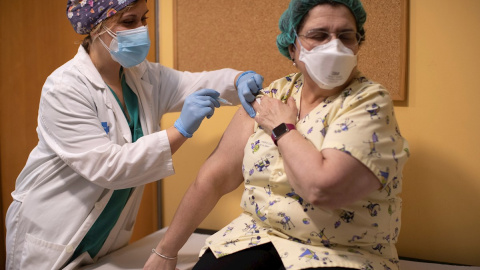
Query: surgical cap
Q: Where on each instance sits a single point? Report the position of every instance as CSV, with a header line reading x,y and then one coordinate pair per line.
x,y
84,15
299,8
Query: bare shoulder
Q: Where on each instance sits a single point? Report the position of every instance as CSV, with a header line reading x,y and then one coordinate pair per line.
x,y
240,128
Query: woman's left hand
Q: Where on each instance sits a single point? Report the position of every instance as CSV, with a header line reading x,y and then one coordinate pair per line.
x,y
272,112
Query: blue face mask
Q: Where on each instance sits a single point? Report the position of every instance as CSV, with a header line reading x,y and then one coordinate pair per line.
x,y
129,47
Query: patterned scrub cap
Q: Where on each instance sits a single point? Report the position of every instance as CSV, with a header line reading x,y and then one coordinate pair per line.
x,y
84,15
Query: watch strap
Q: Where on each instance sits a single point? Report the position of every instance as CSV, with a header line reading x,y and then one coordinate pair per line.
x,y
288,127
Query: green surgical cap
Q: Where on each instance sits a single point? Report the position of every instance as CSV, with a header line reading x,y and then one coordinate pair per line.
x,y
299,8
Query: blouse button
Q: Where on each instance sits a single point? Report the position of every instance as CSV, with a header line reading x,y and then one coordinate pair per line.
x,y
280,173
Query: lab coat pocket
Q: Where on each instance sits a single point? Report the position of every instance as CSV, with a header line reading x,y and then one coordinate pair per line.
x,y
39,254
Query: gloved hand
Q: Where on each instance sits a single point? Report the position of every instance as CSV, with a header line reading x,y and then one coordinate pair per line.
x,y
248,85
197,106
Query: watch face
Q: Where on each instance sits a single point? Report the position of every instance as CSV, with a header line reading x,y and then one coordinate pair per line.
x,y
279,130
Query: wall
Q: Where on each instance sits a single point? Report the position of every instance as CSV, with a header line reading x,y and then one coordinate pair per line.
x,y
36,38
441,186
439,118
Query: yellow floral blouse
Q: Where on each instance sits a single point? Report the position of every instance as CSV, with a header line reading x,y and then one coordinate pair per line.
x,y
360,121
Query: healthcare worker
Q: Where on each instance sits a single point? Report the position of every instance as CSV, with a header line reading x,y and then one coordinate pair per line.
x,y
100,141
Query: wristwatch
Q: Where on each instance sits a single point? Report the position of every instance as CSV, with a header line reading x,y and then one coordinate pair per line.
x,y
280,130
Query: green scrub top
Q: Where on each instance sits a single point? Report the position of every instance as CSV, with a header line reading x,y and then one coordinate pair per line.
x,y
98,233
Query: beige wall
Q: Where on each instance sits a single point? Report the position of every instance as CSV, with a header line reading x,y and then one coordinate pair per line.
x,y
441,216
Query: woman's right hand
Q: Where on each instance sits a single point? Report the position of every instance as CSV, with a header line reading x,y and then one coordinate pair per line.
x,y
272,112
157,263
197,106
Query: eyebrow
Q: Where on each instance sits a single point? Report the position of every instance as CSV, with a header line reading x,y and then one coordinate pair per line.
x,y
127,14
347,29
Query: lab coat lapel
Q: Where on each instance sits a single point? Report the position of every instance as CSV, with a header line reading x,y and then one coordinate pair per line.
x,y
120,118
89,71
87,68
143,89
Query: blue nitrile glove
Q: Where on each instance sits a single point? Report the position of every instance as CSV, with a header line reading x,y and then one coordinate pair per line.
x,y
197,106
248,85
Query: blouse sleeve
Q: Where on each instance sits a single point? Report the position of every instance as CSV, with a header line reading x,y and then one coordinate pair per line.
x,y
365,127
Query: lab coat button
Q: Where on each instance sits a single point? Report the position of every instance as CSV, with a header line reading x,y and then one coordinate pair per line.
x,y
98,205
69,249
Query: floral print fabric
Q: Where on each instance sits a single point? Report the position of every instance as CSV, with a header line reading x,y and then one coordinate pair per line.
x,y
360,121
84,15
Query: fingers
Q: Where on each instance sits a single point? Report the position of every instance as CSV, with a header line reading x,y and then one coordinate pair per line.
x,y
245,95
249,109
256,104
258,81
207,92
249,84
197,106
247,106
291,103
205,97
252,85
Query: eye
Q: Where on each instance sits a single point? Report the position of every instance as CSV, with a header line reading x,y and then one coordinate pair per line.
x,y
128,22
318,35
348,38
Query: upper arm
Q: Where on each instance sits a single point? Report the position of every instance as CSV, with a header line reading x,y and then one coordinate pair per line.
x,y
174,86
350,177
223,168
363,148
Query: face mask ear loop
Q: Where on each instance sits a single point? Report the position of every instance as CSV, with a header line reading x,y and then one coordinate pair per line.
x,y
295,32
110,33
103,43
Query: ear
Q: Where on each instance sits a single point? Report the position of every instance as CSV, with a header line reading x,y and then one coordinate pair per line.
x,y
291,51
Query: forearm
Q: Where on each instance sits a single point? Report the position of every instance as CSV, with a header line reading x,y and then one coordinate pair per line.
x,y
220,174
175,138
303,163
328,178
222,80
196,204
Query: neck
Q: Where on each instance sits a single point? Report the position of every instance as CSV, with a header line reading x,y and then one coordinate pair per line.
x,y
312,94
106,66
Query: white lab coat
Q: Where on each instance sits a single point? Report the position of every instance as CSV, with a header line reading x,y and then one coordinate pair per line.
x,y
72,172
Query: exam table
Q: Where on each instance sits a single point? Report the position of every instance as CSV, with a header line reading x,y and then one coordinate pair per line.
x,y
136,254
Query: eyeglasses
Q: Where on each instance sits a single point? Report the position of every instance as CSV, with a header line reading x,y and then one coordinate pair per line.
x,y
319,37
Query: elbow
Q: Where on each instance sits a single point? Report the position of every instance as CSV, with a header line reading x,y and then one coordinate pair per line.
x,y
327,197
323,200
214,182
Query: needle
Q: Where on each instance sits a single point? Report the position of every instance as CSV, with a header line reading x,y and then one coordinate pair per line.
x,y
224,101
